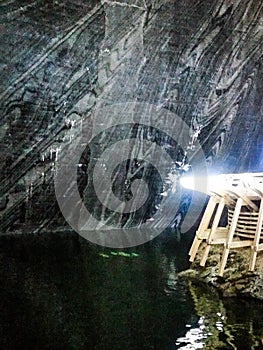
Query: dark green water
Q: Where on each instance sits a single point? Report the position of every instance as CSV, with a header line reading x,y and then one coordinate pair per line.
x,y
59,292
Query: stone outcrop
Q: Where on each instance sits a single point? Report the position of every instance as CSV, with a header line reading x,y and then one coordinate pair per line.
x,y
236,281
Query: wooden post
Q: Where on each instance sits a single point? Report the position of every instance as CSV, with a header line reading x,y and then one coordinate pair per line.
x,y
255,246
212,233
239,204
202,233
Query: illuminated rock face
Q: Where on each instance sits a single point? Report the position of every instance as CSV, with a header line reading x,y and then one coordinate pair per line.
x,y
62,60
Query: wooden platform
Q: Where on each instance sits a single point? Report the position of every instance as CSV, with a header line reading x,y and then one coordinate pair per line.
x,y
241,195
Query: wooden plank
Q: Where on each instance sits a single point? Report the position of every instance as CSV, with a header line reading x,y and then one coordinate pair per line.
x,y
240,244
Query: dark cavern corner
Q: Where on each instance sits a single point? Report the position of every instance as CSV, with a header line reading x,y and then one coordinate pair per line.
x,y
105,107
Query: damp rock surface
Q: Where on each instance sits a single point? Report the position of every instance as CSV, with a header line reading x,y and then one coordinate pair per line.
x,y
236,281
61,61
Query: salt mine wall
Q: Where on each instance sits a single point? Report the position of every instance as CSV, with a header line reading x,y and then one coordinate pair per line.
x,y
62,61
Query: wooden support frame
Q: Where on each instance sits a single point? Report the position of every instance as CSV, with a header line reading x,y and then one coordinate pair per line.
x,y
256,246
214,234
241,192
203,231
230,236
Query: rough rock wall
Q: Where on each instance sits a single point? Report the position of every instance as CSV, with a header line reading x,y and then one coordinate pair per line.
x,y
61,60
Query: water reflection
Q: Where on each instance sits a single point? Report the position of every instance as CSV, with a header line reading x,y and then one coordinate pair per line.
x,y
59,292
63,293
222,323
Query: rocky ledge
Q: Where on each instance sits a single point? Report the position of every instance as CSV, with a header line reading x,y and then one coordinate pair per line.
x,y
237,280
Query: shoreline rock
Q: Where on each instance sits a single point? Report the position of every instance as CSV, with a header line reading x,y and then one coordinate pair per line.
x,y
237,280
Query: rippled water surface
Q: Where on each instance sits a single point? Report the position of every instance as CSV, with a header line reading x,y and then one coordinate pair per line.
x,y
59,292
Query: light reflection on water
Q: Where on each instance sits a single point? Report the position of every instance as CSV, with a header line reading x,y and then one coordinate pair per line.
x,y
62,293
193,339
223,323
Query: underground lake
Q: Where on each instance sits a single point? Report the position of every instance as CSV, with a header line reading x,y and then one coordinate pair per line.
x,y
60,292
